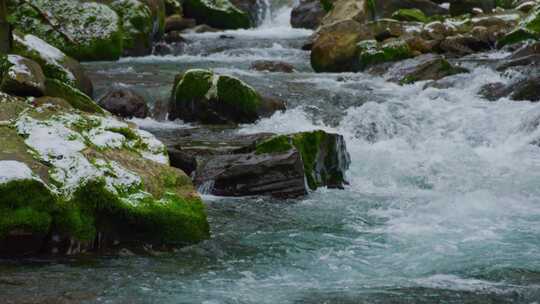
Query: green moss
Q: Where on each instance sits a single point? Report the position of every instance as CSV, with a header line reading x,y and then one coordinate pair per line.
x,y
276,144
232,92
327,5
25,205
76,98
413,14
194,85
170,220
370,8
137,22
309,145
372,53
528,29
128,133
86,31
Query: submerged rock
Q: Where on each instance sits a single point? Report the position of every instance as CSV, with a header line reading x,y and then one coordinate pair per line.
x,y
21,76
221,14
202,96
421,68
85,31
124,103
272,66
522,90
283,166
88,182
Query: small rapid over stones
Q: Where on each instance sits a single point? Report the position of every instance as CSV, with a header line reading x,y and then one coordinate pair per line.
x,y
442,203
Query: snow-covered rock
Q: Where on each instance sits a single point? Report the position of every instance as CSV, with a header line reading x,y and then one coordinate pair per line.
x,y
88,177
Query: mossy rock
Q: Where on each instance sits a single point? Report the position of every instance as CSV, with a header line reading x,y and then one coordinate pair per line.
x,y
426,67
221,14
54,63
89,175
203,96
85,31
76,98
528,29
371,52
137,26
21,76
412,14
324,155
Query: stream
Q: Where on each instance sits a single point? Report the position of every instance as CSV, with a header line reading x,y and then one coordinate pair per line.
x,y
443,204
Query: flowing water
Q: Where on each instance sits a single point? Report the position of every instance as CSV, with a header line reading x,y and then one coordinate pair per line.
x,y
443,204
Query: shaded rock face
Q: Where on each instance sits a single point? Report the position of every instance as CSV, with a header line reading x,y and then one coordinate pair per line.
x,y
279,175
90,182
124,103
221,14
272,66
21,76
178,23
307,14
253,8
282,166
523,90
202,96
525,57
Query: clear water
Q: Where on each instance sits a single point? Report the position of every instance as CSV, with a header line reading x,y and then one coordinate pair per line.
x,y
443,204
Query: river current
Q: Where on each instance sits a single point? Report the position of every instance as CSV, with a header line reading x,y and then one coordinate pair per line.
x,y
443,204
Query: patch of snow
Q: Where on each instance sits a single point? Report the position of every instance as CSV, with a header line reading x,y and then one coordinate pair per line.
x,y
11,170
47,52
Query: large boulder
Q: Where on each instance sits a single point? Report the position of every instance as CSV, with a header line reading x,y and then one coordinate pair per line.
x,y
54,63
85,31
221,14
21,76
71,182
307,14
334,49
263,164
124,103
203,96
